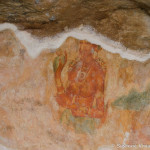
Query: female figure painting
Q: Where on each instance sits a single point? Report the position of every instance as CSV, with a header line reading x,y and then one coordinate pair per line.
x,y
84,95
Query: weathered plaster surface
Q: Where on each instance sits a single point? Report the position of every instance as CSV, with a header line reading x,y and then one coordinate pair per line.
x,y
30,115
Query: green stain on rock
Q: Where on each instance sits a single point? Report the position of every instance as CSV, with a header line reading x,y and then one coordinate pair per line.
x,y
80,124
133,101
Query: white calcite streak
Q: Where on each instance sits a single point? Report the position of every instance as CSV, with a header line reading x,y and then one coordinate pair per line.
x,y
35,45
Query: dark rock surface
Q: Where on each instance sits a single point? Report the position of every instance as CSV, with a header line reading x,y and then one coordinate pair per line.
x,y
126,21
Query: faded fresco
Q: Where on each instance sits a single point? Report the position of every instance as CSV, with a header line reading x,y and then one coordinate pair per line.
x,y
84,94
79,97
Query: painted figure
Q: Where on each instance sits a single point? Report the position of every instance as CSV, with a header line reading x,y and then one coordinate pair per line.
x,y
84,95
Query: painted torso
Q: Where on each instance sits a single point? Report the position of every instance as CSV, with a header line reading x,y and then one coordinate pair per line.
x,y
83,82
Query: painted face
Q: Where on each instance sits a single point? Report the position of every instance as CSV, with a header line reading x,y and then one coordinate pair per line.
x,y
86,50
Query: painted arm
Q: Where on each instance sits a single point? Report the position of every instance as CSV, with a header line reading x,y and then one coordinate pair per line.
x,y
58,66
62,98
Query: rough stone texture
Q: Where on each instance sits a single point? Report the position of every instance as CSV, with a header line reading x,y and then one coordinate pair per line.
x,y
30,115
126,21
